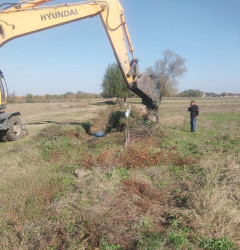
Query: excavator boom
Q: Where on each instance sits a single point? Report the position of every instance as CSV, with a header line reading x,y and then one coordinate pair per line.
x,y
27,17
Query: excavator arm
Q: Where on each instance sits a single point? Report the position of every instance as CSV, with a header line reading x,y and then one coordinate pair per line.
x,y
26,17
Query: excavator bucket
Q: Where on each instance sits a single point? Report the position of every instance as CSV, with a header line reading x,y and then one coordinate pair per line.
x,y
147,87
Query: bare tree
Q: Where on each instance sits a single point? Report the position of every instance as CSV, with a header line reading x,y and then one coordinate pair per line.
x,y
11,98
168,69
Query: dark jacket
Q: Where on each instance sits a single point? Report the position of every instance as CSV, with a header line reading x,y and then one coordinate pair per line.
x,y
194,111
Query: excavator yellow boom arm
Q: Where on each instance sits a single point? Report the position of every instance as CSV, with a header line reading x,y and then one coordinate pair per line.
x,y
28,4
27,17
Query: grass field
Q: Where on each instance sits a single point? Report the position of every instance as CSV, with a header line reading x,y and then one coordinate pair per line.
x,y
142,186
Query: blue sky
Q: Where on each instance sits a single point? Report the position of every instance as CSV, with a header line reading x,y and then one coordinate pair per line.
x,y
74,57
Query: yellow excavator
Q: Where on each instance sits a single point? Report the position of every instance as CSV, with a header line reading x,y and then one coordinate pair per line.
x,y
27,17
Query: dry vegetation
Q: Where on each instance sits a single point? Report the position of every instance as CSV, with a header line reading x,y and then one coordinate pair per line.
x,y
142,186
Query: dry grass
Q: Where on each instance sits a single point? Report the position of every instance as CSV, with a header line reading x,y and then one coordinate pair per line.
x,y
215,208
164,189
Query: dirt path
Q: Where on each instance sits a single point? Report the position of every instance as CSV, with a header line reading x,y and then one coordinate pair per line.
x,y
39,115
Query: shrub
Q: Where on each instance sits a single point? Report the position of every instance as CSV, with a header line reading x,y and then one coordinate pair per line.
x,y
115,122
217,244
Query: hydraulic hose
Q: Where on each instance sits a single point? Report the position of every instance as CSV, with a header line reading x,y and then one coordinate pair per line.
x,y
5,83
9,5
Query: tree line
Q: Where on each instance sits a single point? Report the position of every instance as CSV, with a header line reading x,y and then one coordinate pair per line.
x,y
68,96
198,93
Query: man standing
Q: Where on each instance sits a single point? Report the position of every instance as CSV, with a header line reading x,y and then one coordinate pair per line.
x,y
194,112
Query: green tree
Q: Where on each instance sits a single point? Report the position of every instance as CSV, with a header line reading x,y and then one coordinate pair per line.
x,y
191,93
29,98
113,83
170,67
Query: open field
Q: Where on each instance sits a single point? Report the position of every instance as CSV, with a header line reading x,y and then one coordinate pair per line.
x,y
39,115
142,186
